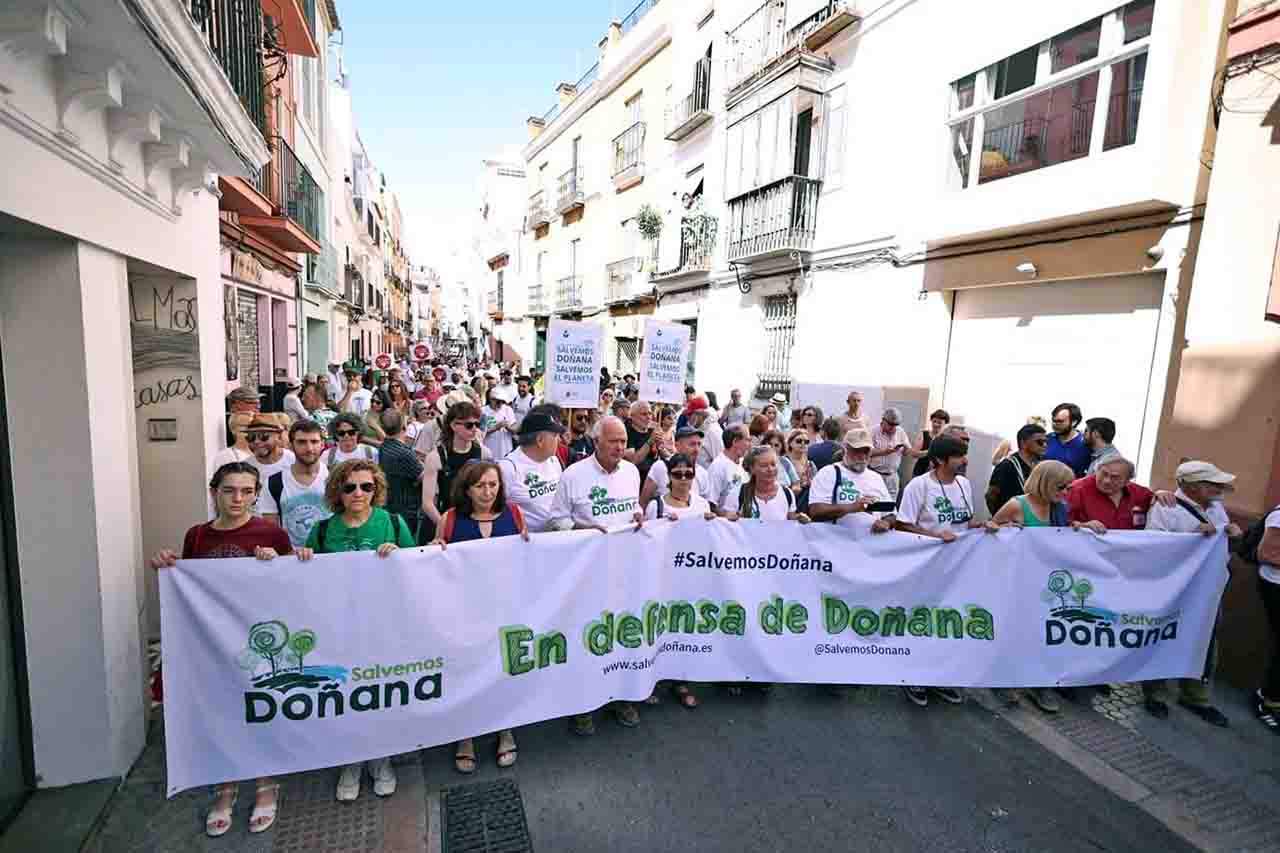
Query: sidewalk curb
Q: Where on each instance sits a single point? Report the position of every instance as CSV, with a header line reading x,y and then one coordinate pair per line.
x,y
1166,807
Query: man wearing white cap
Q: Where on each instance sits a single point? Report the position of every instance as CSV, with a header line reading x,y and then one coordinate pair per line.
x,y
1198,509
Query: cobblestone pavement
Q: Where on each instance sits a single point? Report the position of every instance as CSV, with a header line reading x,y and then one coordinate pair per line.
x,y
799,769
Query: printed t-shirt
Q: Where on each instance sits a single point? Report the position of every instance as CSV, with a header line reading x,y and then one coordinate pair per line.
x,y
204,541
302,506
697,508
337,455
722,476
531,486
658,474
501,442
868,484
588,494
775,508
936,506
376,531
359,402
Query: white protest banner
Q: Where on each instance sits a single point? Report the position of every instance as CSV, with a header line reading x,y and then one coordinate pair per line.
x,y
279,667
574,355
663,362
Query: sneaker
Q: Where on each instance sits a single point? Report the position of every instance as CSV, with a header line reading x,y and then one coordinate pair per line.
x,y
1043,698
1006,696
349,783
1208,713
384,777
628,716
1267,714
948,694
917,696
584,725
1156,708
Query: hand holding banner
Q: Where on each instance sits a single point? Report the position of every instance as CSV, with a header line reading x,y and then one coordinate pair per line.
x,y
573,364
662,364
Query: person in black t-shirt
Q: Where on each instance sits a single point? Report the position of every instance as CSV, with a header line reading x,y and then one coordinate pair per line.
x,y
643,439
1009,478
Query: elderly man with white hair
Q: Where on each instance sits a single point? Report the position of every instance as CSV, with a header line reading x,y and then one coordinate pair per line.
x,y
1198,509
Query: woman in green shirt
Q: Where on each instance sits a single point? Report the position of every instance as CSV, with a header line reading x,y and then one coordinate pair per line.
x,y
356,491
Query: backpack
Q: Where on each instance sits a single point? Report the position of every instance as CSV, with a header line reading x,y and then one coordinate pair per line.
x,y
398,524
755,505
448,474
1246,547
275,487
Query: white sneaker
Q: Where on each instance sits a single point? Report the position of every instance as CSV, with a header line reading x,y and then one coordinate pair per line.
x,y
349,782
384,777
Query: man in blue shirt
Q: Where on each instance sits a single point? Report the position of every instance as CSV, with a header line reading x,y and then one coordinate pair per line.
x,y
1066,444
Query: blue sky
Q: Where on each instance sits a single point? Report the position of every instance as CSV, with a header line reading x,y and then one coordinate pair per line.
x,y
439,85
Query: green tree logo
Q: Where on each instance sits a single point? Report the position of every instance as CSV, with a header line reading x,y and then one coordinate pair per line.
x,y
1061,584
268,640
598,494
531,479
1082,589
302,644
286,652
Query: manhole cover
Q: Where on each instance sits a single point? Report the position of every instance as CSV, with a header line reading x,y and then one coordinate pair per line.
x,y
487,817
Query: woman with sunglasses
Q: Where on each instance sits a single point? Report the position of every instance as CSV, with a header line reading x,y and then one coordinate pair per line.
x,y
356,492
373,433
797,469
811,418
398,397
459,444
480,511
346,430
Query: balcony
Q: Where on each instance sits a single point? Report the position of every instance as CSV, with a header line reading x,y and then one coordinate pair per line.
x,y
569,294
538,306
353,287
775,219
626,281
322,270
571,196
694,109
764,40
697,248
539,212
642,8
233,31
295,201
825,24
628,157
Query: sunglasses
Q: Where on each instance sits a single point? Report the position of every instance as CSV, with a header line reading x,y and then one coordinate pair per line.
x,y
350,488
468,424
259,436
682,475
346,433
800,441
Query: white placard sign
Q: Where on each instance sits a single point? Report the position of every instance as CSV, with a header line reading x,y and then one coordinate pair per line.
x,y
574,355
280,667
663,362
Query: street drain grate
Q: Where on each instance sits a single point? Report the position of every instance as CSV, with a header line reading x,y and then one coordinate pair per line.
x,y
487,817
310,821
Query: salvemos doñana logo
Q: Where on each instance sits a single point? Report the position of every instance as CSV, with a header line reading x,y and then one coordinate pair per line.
x,y
1072,618
275,660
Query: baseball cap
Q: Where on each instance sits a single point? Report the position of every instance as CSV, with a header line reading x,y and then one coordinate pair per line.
x,y
686,431
858,439
1197,471
540,422
697,403
243,395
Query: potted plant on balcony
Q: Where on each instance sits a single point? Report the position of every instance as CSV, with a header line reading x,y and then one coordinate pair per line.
x,y
649,222
698,230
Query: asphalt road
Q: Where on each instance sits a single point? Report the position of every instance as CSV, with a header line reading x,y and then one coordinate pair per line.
x,y
804,771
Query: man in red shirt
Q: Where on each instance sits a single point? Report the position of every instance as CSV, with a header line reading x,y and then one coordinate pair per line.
x,y
1109,500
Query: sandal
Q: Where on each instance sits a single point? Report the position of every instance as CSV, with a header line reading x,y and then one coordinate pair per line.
x,y
464,757
685,696
262,817
219,820
506,748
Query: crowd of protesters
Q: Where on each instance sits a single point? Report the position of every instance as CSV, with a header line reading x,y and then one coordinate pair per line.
x,y
444,454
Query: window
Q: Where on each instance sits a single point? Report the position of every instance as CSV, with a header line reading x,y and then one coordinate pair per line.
x,y
1038,107
779,337
635,113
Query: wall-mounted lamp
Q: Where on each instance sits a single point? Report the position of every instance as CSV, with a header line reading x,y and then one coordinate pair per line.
x,y
1028,269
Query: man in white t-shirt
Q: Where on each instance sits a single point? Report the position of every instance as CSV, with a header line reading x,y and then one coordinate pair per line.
x,y
889,442
599,492
266,440
357,397
294,496
531,473
726,472
524,400
1201,486
658,483
506,389
939,504
849,488
1266,701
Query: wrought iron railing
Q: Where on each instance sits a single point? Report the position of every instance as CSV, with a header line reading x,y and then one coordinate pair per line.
x,y
233,31
322,268
539,213
779,216
698,100
291,189
587,80
571,193
538,299
642,8
628,149
757,41
569,293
